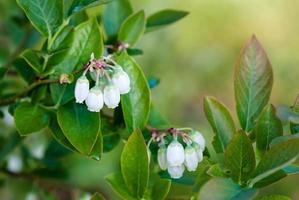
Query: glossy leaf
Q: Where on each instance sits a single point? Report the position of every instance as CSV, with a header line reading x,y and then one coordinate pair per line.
x,y
220,120
135,104
33,59
30,118
79,126
164,18
62,93
87,40
45,15
112,21
79,5
253,81
24,69
272,178
58,134
118,184
268,127
239,157
134,164
59,46
278,157
132,28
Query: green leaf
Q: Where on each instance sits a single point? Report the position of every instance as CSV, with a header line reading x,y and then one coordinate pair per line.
x,y
45,15
220,189
110,134
239,157
62,93
79,5
24,70
118,184
272,178
87,39
273,197
156,119
97,149
59,46
215,171
220,120
79,126
158,188
58,134
132,28
278,157
284,138
113,21
164,18
135,104
134,164
268,127
33,60
253,82
30,118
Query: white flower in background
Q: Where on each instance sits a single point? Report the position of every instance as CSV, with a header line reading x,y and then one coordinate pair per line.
x,y
31,196
121,79
162,158
175,154
81,89
176,171
94,100
191,158
14,163
111,96
199,139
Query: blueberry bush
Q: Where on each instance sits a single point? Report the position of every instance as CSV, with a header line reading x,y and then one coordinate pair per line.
x,y
73,78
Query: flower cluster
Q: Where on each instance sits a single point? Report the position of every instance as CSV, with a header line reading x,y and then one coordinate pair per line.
x,y
110,82
175,156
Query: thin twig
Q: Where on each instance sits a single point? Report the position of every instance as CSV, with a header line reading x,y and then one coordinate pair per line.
x,y
12,99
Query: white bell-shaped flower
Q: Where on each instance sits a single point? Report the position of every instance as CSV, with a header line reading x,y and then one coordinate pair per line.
x,y
121,79
162,159
111,96
94,100
175,154
198,151
191,158
199,139
176,171
81,89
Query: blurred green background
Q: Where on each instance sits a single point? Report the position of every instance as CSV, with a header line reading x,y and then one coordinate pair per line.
x,y
193,58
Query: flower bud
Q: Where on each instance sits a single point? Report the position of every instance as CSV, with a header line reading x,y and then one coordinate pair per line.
x,y
162,159
175,154
81,89
199,139
122,81
191,158
176,171
94,100
111,96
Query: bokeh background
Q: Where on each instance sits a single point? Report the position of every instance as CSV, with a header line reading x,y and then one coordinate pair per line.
x,y
192,58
